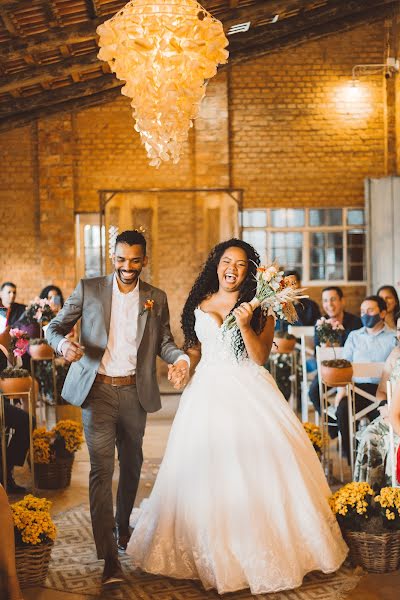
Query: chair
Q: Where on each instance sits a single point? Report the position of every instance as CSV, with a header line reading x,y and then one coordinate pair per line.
x,y
392,449
371,369
304,332
328,353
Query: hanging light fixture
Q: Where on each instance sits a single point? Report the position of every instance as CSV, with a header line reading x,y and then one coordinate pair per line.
x,y
165,51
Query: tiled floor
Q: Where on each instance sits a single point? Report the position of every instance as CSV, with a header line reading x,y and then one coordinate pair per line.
x,y
370,587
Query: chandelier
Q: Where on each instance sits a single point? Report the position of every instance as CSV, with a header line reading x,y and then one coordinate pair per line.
x,y
165,51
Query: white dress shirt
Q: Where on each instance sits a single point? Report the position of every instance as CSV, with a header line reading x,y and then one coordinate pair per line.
x,y
120,355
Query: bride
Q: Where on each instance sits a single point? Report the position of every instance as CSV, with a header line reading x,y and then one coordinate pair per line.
x,y
240,499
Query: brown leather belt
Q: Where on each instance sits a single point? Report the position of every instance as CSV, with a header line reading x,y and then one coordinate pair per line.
x,y
117,381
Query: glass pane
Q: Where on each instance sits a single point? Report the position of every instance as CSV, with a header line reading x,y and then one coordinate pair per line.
x,y
356,238
254,218
334,272
317,272
258,239
318,239
334,238
355,255
295,217
325,216
355,217
278,217
356,273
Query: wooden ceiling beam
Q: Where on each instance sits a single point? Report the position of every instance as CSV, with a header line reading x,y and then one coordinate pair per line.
x,y
42,73
19,120
61,94
53,39
318,17
311,34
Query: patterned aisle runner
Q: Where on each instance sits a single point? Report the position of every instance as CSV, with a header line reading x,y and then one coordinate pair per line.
x,y
75,568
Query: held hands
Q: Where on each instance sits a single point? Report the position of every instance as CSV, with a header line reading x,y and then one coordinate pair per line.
x,y
243,314
178,374
72,351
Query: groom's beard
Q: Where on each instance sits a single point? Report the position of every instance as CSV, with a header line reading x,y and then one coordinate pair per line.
x,y
128,277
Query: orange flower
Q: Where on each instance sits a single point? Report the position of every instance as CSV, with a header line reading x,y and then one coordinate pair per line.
x,y
261,269
147,306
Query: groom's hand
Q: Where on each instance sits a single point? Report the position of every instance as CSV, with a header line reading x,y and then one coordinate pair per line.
x,y
178,374
72,351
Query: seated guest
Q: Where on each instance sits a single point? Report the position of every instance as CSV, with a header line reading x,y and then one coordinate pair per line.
x,y
55,297
9,586
333,304
18,420
389,294
373,462
307,310
8,294
372,343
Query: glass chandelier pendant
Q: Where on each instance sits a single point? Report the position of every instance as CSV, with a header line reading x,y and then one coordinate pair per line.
x,y
165,51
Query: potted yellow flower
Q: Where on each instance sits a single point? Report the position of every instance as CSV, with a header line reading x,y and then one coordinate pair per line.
x,y
370,525
315,436
54,453
35,533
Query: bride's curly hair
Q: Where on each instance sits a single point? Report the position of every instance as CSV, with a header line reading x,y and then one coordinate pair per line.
x,y
207,284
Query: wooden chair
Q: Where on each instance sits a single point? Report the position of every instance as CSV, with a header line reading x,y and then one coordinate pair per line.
x,y
392,448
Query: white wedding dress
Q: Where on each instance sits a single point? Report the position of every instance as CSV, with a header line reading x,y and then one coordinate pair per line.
x,y
241,499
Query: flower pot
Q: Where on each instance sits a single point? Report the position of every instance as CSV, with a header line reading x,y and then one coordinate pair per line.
x,y
376,553
32,563
54,475
336,376
41,351
15,385
283,345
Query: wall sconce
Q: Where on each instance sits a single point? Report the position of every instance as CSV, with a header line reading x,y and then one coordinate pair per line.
x,y
389,68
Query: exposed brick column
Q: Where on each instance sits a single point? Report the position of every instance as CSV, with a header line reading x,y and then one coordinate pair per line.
x,y
57,221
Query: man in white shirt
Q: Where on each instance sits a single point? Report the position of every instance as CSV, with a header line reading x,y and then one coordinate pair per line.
x,y
124,326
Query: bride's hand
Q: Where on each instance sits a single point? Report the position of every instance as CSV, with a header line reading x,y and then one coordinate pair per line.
x,y
243,314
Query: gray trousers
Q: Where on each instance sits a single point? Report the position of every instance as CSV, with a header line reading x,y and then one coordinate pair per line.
x,y
112,416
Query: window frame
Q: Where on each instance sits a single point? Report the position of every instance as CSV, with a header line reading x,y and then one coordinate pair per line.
x,y
306,230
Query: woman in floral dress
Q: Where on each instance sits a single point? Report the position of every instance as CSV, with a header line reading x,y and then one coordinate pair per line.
x,y
374,462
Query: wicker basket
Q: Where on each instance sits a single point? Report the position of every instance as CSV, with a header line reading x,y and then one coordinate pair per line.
x,y
376,553
32,563
55,475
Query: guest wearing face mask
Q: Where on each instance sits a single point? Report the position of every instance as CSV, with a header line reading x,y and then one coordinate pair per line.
x,y
372,343
389,294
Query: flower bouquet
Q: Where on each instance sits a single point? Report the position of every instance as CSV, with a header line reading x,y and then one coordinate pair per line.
x,y
370,525
35,533
19,342
39,311
273,296
54,452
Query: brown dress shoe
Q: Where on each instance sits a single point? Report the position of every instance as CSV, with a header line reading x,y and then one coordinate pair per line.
x,y
112,572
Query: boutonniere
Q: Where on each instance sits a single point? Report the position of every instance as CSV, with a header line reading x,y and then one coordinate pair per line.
x,y
147,306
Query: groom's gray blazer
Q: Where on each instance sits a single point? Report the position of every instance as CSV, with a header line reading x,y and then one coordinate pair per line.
x,y
91,300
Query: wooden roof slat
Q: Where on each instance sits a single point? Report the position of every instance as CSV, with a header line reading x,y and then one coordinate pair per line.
x,y
44,73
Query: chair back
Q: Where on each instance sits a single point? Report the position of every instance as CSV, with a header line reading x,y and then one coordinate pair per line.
x,y
303,332
392,448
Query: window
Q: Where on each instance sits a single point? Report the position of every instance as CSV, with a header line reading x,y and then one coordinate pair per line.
x,y
323,244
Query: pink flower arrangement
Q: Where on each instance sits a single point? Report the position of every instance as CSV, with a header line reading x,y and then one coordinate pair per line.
x,y
19,342
39,311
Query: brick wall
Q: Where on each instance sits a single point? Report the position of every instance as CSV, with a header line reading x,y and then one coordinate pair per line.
x,y
297,139
281,128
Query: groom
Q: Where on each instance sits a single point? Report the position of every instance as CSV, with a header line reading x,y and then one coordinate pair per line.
x,y
124,326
